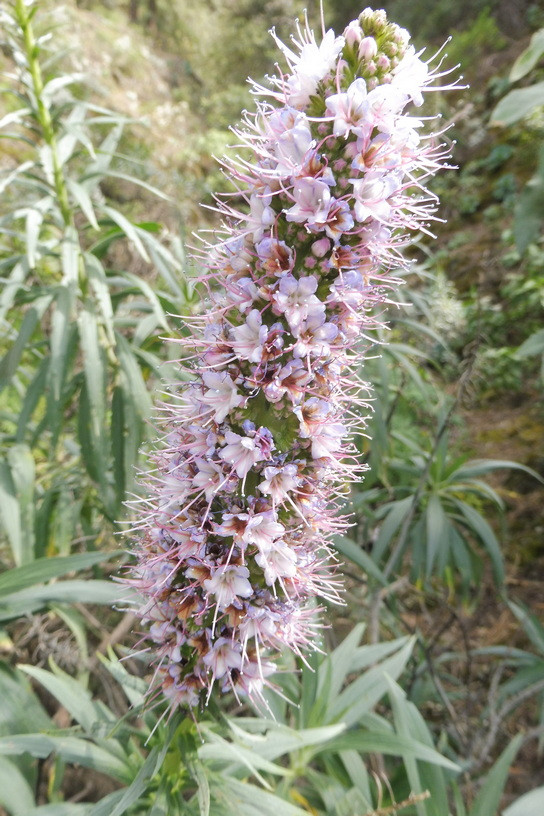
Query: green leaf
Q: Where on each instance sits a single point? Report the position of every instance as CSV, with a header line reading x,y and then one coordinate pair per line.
x,y
22,466
490,793
93,367
15,793
104,155
219,750
64,519
11,286
34,219
244,799
138,786
397,512
203,792
11,360
22,168
530,804
533,345
531,624
69,692
363,693
9,512
134,687
118,442
34,393
84,201
358,775
374,742
152,298
36,597
529,209
528,58
349,549
20,709
43,569
61,809
481,467
480,528
128,228
99,283
280,739
91,459
517,104
372,653
70,749
437,524
339,663
132,380
70,257
410,724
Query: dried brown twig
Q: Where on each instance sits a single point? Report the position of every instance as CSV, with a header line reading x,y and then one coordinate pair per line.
x,y
397,806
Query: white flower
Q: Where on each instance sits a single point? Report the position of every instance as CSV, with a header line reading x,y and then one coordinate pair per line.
x,y
263,530
350,109
242,452
249,337
312,202
411,75
278,562
292,146
221,394
223,656
228,584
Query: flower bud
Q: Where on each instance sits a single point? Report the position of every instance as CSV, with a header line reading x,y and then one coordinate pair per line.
x,y
352,33
368,48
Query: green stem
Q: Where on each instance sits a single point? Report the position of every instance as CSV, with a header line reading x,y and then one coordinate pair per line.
x,y
24,17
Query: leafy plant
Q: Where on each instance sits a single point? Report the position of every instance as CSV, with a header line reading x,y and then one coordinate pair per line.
x,y
516,105
173,768
80,335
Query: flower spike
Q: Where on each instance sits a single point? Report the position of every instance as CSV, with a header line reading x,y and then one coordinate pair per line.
x,y
234,552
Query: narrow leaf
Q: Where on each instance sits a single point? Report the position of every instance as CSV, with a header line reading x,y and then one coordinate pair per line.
x,y
490,793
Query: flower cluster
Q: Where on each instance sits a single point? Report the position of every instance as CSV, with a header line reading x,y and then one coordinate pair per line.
x,y
251,480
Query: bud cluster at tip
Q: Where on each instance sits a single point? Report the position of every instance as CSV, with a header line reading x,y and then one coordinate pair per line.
x,y
249,484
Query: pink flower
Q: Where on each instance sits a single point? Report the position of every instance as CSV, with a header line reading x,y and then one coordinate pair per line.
x,y
208,478
250,337
223,657
295,299
280,482
229,584
262,530
310,66
245,496
280,561
350,110
242,452
292,146
312,202
221,394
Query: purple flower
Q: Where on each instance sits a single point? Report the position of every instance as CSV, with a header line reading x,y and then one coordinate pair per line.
x,y
312,202
247,488
242,452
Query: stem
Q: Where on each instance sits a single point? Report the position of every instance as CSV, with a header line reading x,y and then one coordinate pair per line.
x,y
32,49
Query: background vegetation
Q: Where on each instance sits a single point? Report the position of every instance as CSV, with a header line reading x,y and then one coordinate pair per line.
x,y
429,696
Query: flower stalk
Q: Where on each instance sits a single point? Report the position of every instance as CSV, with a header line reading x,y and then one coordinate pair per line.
x,y
251,481
23,16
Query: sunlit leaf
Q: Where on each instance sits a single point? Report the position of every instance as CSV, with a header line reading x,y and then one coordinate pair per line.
x,y
517,104
530,804
528,58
